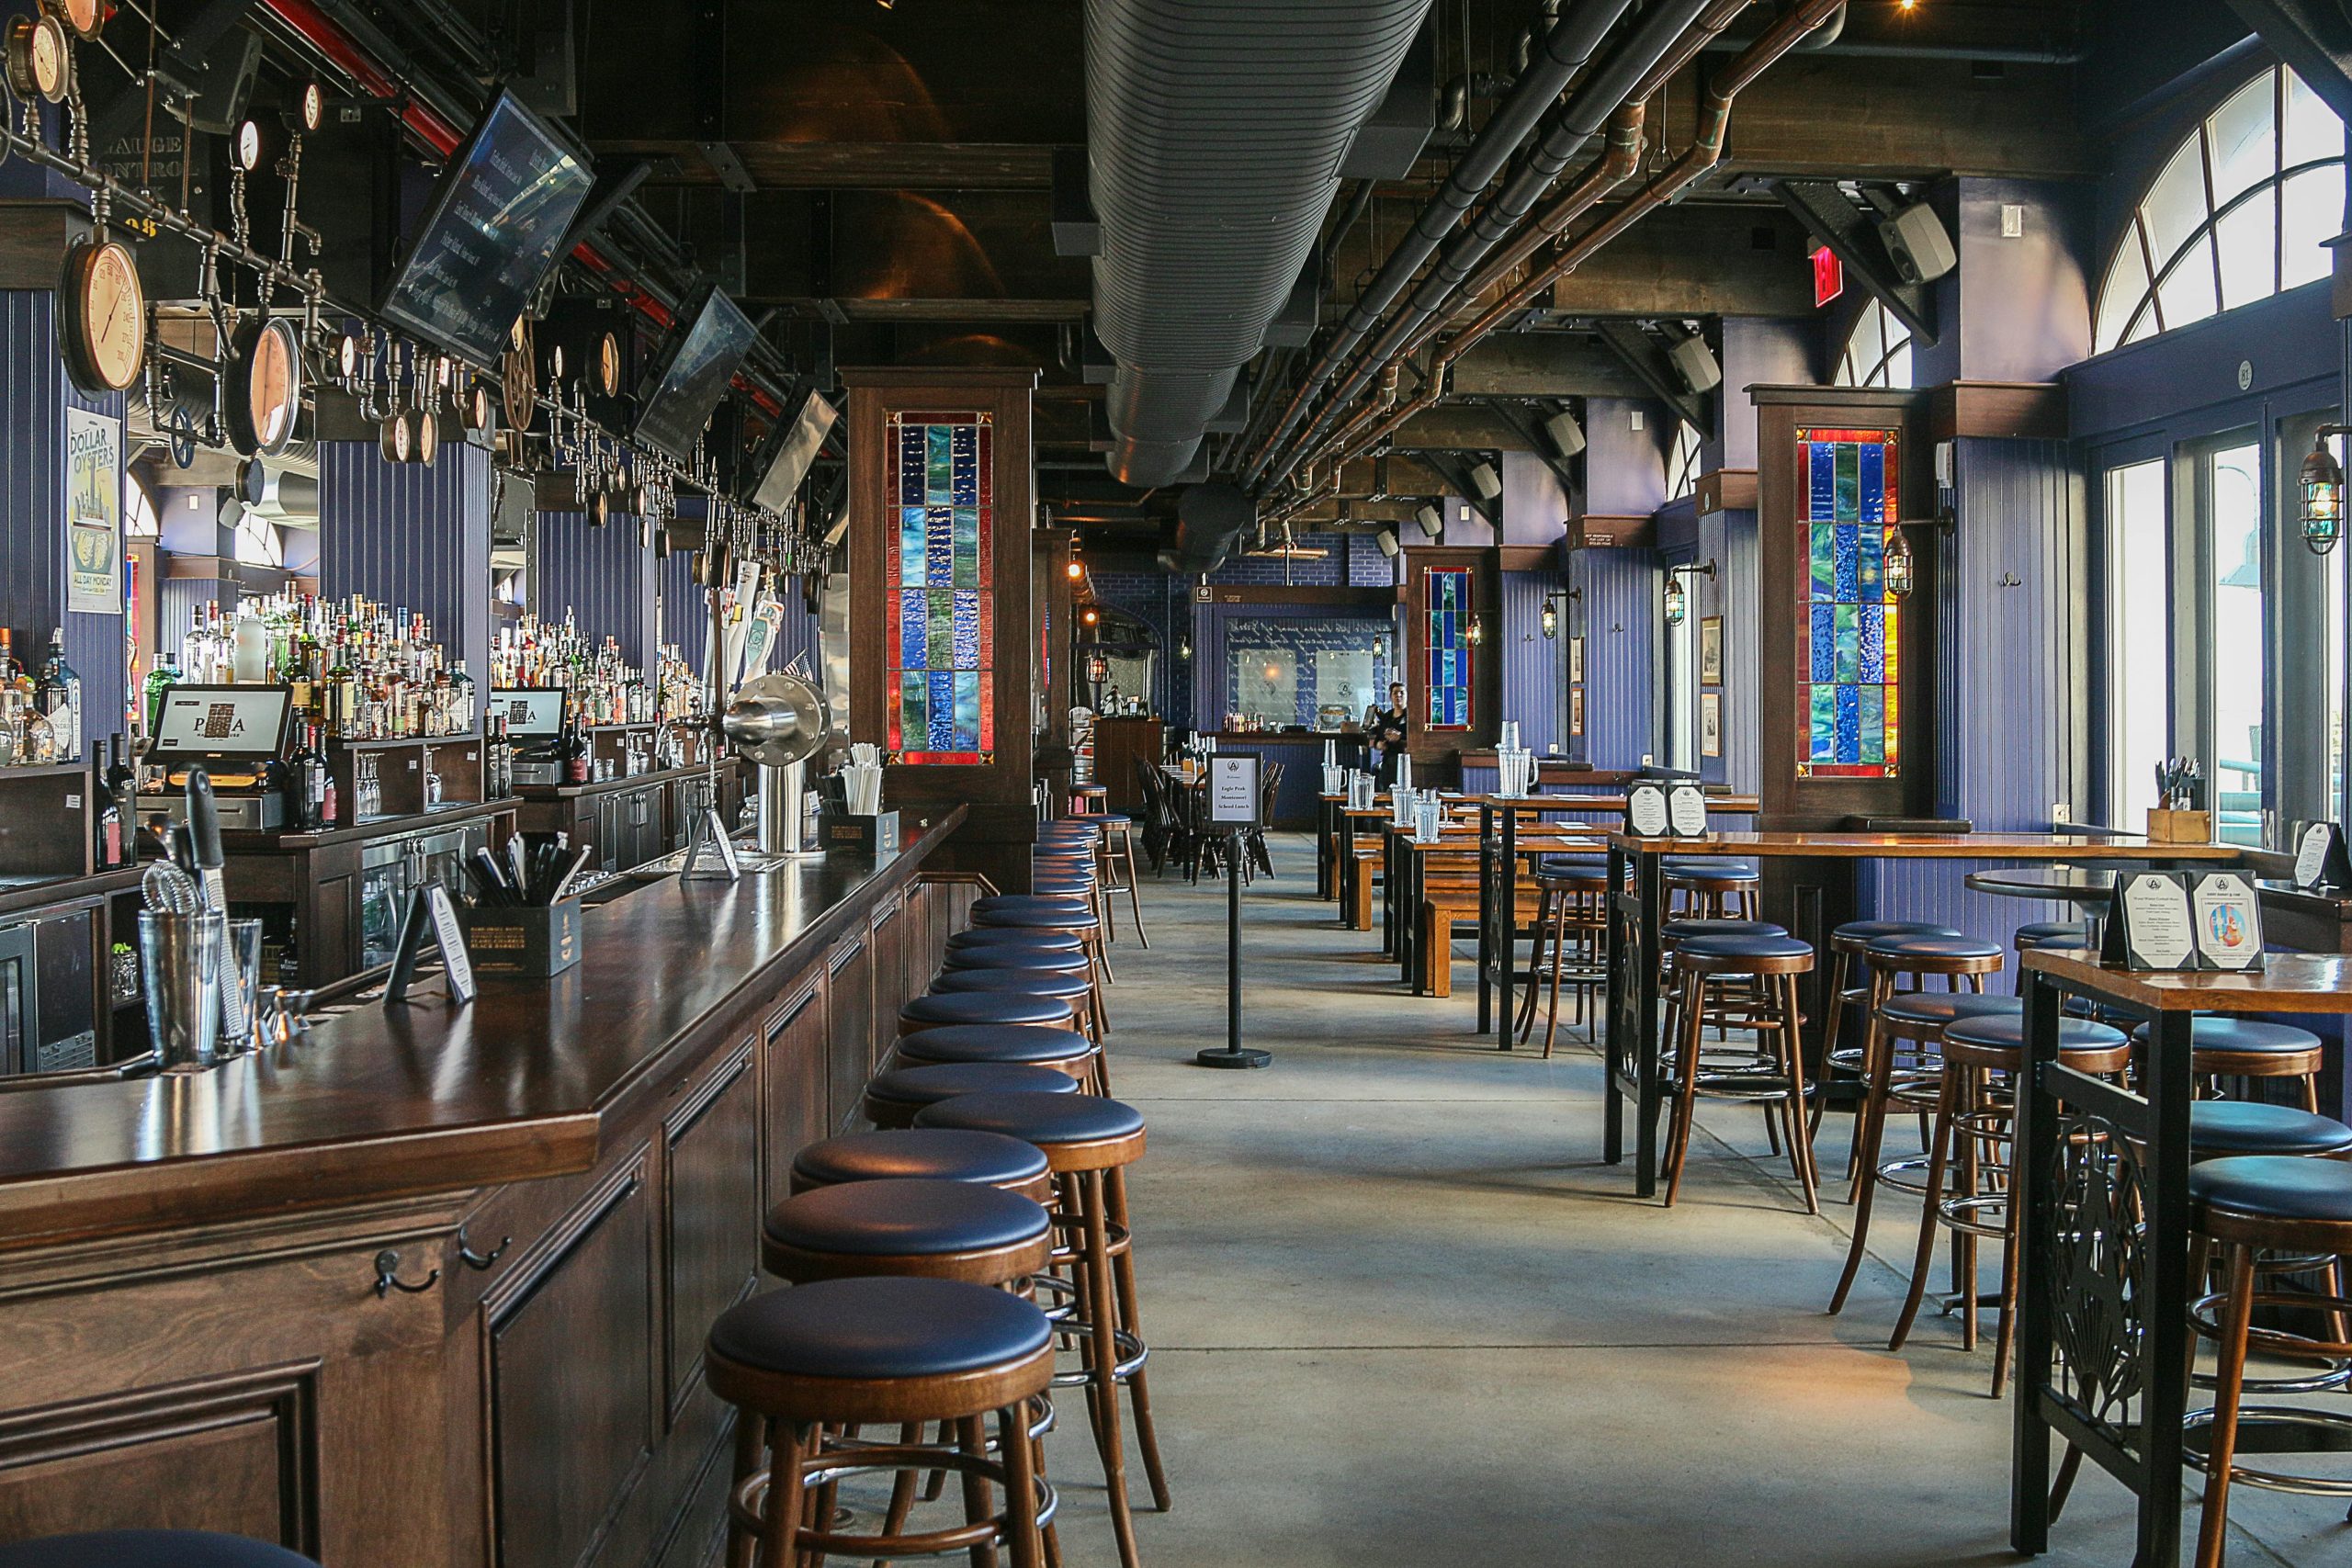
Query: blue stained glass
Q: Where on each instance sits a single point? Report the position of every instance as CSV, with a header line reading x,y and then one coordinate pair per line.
x,y
1824,554
967,547
914,626
1849,724
1849,637
1873,665
966,483
939,547
1821,482
1873,483
914,704
1870,566
967,711
912,540
1824,725
1873,724
911,468
1846,550
939,453
941,731
967,630
1824,663
1850,476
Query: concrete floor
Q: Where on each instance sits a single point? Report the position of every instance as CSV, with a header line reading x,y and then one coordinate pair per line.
x,y
1400,1312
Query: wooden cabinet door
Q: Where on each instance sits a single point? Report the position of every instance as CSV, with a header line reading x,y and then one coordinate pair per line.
x,y
795,1075
888,939
849,1027
572,1381
712,1147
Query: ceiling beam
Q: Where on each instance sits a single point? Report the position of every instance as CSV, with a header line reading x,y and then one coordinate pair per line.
x,y
1645,357
1542,365
1852,235
2314,37
1696,259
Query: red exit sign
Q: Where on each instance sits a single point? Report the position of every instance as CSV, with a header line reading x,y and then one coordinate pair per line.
x,y
1828,277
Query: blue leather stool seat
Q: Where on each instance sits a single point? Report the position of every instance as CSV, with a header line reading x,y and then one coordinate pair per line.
x,y
984,1159
2210,1033
982,937
1572,866
1933,947
2250,1127
1072,961
2056,944
1936,1009
2006,1032
1762,944
1064,888
149,1548
986,1007
1875,930
1686,930
1073,915
1712,868
2035,931
880,1329
1026,982
905,1217
977,1042
1024,903
1112,818
917,1087
1040,1118
2275,1187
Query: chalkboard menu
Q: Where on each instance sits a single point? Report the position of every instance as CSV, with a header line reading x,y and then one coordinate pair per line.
x,y
703,360
490,236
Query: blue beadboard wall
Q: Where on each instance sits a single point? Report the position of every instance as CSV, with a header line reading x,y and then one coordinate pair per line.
x,y
1535,671
1728,539
34,396
2008,737
602,576
684,613
1619,619
412,534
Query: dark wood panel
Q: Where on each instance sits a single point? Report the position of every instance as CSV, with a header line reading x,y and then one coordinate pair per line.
x,y
888,968
712,1192
849,1028
572,1383
797,1074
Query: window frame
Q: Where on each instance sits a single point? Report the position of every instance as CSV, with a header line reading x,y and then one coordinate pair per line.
x,y
1894,337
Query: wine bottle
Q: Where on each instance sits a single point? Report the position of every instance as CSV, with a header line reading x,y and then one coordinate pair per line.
x,y
574,751
59,697
122,798
315,782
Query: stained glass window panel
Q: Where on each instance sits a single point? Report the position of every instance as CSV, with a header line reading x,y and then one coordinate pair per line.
x,y
1447,603
1847,624
939,693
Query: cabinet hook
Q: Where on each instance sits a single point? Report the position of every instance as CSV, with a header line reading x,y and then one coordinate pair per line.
x,y
388,1280
472,1259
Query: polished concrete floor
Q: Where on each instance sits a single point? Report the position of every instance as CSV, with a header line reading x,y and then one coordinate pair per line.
x,y
1401,1314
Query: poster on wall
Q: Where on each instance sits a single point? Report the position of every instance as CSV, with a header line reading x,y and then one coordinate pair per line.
x,y
1711,651
1576,711
93,512
1711,724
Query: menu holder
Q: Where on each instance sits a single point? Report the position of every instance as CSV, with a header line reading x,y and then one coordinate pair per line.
x,y
431,916
2185,920
1654,810
2320,858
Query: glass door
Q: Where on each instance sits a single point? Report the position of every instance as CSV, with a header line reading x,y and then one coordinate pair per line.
x,y
2138,659
2231,502
1683,688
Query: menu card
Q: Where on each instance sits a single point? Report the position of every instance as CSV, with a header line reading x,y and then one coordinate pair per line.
x,y
1646,815
2229,921
1687,805
2320,858
2185,920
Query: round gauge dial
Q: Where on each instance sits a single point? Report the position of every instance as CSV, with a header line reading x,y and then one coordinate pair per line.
x,y
608,365
105,329
477,410
347,356
428,437
554,361
41,62
314,107
265,387
248,146
82,16
517,387
600,510
399,439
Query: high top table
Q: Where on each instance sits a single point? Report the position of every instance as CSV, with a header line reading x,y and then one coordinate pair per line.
x,y
2112,1293
1637,912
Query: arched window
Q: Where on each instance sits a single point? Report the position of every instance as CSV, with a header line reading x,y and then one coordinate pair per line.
x,y
1682,462
1878,352
258,543
2239,212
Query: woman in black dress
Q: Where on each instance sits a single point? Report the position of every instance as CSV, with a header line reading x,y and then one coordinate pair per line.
x,y
1384,731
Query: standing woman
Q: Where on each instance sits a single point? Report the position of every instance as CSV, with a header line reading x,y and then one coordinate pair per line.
x,y
1383,729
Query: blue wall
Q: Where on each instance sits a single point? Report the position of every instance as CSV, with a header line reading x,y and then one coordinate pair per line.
x,y
604,576
1619,618
1728,539
1210,640
413,535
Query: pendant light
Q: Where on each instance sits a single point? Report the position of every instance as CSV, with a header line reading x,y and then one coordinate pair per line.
x,y
2322,484
1899,570
1678,598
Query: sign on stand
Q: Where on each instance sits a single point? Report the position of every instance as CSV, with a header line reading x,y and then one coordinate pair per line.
x,y
1233,806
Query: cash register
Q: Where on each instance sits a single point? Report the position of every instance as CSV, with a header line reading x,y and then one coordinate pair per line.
x,y
534,726
234,733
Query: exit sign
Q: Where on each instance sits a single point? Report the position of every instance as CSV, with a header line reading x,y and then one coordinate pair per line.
x,y
1828,275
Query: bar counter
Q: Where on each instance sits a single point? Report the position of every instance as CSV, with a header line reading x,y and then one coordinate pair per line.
x,y
429,1286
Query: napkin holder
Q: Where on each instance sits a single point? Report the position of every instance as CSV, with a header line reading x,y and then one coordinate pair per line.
x,y
842,832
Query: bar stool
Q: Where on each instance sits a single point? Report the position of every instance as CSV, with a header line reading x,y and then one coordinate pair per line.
x,y
2246,1205
1709,887
1117,852
1771,1074
1846,941
892,1097
1968,1161
978,937
985,1159
1016,912
1035,960
2225,1047
1729,1004
1085,799
841,1353
1077,991
1065,1051
1570,916
937,1229
985,1007
149,1548
1090,1143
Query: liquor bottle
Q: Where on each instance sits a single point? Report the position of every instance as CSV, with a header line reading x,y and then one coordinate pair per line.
x,y
573,751
106,821
122,797
59,698
162,676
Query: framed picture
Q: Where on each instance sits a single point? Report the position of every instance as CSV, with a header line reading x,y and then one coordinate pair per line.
x,y
1711,724
1576,661
1575,710
1710,652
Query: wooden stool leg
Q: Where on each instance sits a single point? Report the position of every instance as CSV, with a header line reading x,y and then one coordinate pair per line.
x,y
750,1447
780,1516
1123,1276
902,1485
1834,1019
1800,1133
1019,1485
971,1440
1686,1067
2222,1448
1877,1057
1947,1103
1102,1359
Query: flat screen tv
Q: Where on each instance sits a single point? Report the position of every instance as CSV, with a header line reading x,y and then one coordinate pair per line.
x,y
701,360
490,236
794,446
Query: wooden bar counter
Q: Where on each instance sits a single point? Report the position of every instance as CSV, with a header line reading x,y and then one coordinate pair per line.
x,y
429,1286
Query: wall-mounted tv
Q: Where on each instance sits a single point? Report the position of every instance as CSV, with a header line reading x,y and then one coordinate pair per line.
x,y
684,391
490,235
791,450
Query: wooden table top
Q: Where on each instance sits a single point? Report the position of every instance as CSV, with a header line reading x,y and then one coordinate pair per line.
x,y
1923,846
2288,982
382,1102
1717,804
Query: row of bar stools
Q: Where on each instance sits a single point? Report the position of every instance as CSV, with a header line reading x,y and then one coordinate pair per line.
x,y
893,1097
1030,913
2222,1048
149,1548
1708,888
1090,1142
1766,965
1847,943
1076,988
1116,851
1064,1051
1064,962
1569,921
1001,1008
1968,1185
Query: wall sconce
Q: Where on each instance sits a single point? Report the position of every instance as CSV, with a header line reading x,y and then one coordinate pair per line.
x,y
1077,568
1678,598
1098,669
1184,648
1550,620
1898,571
1091,617
1475,632
2322,491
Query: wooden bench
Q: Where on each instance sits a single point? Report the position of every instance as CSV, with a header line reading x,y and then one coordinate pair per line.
x,y
1446,902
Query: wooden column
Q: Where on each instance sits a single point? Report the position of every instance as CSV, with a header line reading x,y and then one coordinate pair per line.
x,y
982,755
1055,646
1432,746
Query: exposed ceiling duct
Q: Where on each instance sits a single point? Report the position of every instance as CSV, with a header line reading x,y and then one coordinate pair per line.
x,y
1215,131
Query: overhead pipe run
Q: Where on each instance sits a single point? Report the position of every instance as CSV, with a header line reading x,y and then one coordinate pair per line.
x,y
1215,134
